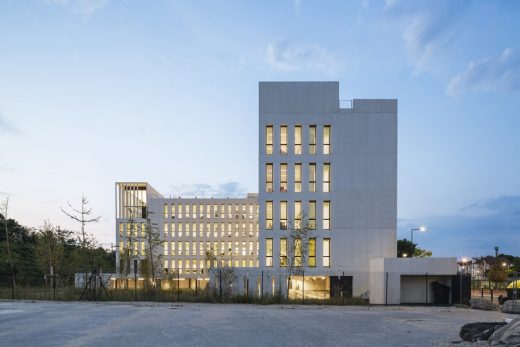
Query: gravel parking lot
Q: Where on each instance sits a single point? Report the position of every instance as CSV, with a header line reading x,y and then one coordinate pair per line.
x,y
151,324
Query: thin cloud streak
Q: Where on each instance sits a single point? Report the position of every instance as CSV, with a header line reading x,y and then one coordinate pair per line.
x,y
500,73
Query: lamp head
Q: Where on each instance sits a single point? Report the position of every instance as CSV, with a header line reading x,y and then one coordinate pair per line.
x,y
422,228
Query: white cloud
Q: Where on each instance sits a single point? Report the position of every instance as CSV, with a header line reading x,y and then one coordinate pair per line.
x,y
203,190
83,7
489,74
7,127
286,55
429,27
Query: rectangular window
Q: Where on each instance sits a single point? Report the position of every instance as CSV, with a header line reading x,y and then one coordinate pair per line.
x,y
312,139
173,211
121,229
165,230
268,178
298,139
165,211
326,215
283,177
297,252
269,252
269,139
283,252
297,215
312,252
312,215
179,211
312,177
326,177
297,178
326,252
326,139
269,215
283,139
283,215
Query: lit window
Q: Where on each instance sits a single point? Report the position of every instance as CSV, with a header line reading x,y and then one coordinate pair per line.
x,y
283,177
283,215
268,177
326,252
312,177
179,210
297,252
326,215
298,139
297,178
165,211
312,215
326,177
269,252
165,230
269,215
326,139
283,139
312,252
121,229
193,211
269,139
283,252
173,211
165,246
297,214
312,139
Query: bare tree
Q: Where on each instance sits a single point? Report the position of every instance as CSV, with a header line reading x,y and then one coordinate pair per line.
x,y
129,247
153,243
5,209
297,246
221,272
83,216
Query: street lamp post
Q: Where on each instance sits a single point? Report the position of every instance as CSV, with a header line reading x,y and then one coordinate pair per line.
x,y
421,229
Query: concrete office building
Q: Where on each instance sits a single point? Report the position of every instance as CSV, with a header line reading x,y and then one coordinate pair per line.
x,y
337,166
327,167
189,228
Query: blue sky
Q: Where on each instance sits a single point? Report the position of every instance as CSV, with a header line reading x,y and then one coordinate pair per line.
x,y
97,91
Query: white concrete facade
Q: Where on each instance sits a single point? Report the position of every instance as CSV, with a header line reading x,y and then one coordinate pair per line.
x,y
188,228
337,166
363,174
408,280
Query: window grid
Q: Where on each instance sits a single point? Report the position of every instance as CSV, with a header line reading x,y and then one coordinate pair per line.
x,y
269,177
326,215
297,178
326,252
326,177
297,139
326,139
312,139
269,140
283,139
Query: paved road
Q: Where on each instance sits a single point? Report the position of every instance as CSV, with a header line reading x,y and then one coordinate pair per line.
x,y
143,324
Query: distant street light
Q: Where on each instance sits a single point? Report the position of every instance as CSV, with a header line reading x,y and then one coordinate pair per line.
x,y
422,229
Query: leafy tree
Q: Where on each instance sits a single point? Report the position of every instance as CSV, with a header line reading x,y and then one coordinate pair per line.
x,y
406,247
497,273
49,252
